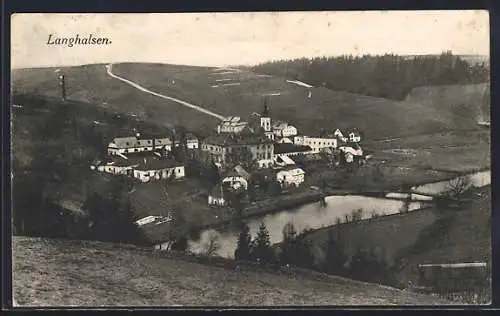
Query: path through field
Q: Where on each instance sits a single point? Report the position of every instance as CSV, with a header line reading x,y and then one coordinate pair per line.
x,y
137,86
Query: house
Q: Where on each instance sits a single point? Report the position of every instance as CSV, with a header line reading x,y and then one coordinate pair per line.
x,y
192,141
154,168
283,129
143,167
291,150
284,140
339,135
223,149
351,152
316,143
283,160
354,136
217,196
138,143
232,124
290,176
119,164
237,178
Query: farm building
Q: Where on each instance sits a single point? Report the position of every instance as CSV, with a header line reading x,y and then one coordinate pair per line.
x,y
138,143
237,178
220,148
290,150
316,143
152,168
143,167
283,129
217,196
290,176
232,124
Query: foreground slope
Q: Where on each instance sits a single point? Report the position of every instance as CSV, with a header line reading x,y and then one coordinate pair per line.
x,y
236,92
61,273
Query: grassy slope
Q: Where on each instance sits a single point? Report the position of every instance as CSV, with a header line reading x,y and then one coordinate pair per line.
x,y
427,236
460,100
78,273
327,109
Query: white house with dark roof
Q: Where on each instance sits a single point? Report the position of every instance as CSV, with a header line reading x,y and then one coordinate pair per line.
x,y
152,168
283,129
316,143
232,124
290,176
237,178
134,144
143,168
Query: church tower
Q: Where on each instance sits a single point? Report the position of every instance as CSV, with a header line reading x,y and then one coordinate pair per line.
x,y
265,121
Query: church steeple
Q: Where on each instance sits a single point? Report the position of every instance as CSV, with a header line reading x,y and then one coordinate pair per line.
x,y
265,113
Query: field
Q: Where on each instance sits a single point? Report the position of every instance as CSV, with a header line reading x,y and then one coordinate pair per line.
x,y
326,109
425,236
455,151
79,273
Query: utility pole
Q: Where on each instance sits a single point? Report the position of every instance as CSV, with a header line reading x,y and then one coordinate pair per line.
x,y
62,85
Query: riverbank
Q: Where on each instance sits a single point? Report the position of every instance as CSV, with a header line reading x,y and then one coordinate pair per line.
x,y
260,208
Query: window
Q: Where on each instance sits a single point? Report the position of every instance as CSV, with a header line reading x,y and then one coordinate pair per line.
x,y
136,150
127,143
149,142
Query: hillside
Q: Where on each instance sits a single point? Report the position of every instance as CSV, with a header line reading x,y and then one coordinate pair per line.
x,y
460,100
78,273
236,92
425,236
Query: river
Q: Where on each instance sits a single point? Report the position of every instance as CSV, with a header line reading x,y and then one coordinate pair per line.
x,y
315,215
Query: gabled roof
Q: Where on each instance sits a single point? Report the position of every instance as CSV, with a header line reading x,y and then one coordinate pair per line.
x,y
142,141
143,161
284,159
293,170
239,139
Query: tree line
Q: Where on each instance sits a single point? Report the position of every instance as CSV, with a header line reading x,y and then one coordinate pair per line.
x,y
60,149
387,76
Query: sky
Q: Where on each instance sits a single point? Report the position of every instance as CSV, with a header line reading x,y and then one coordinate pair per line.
x,y
221,39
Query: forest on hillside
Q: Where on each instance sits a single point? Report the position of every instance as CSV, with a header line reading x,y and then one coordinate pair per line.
x,y
388,76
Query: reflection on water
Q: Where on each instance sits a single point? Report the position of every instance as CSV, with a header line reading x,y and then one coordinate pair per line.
x,y
314,215
478,179
310,216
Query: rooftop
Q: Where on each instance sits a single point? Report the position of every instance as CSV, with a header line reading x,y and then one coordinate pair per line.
x,y
239,139
143,161
284,148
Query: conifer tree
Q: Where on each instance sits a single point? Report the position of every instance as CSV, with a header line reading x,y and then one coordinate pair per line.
x,y
242,251
262,250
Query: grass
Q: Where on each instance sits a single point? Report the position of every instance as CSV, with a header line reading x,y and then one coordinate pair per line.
x,y
326,109
424,236
460,100
79,273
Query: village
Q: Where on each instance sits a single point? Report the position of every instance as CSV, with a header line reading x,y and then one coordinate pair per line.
x,y
244,154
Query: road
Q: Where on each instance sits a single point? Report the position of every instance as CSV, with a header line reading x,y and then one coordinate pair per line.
x,y
187,104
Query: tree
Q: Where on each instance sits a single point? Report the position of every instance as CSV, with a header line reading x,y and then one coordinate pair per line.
x,y
457,187
262,250
212,246
295,250
335,258
288,244
357,215
243,248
